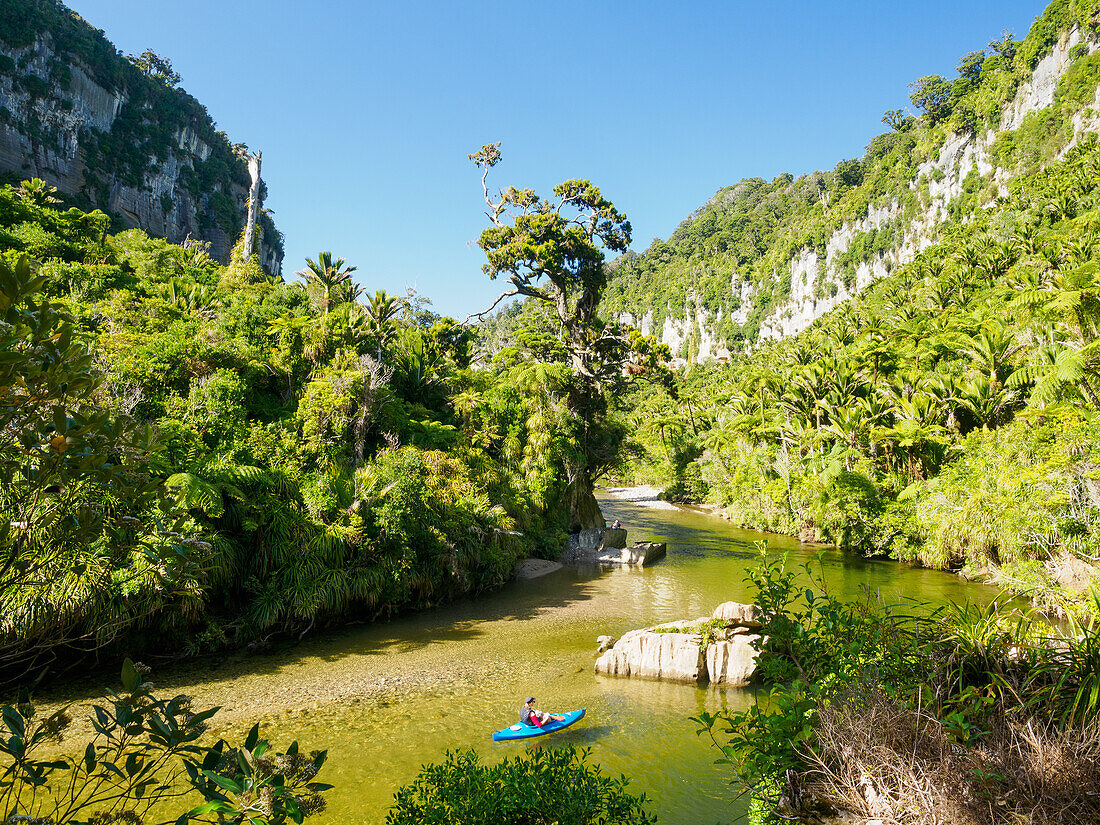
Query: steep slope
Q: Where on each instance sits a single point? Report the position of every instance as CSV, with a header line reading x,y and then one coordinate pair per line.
x,y
76,113
763,260
949,414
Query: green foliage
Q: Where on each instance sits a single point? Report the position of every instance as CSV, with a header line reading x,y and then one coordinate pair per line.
x,y
814,645
842,676
79,510
546,786
320,458
932,96
155,66
1017,494
143,749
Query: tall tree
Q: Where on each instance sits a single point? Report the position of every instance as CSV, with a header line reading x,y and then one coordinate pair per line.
x,y
382,312
552,251
327,278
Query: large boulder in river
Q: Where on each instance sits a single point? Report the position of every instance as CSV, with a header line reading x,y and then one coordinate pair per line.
x,y
607,545
735,614
675,651
732,661
588,544
650,653
636,555
614,537
598,538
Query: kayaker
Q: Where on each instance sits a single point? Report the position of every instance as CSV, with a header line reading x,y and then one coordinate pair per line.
x,y
530,716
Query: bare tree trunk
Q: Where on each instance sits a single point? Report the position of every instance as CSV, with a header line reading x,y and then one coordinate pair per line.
x,y
1090,392
253,204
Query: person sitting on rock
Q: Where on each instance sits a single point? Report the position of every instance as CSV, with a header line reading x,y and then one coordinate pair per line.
x,y
536,718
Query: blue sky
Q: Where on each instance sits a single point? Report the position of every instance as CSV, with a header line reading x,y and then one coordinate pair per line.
x,y
366,111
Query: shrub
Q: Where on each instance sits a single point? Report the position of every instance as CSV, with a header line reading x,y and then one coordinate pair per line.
x,y
144,751
549,786
970,712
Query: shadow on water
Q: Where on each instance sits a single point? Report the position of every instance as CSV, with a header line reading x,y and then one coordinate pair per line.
x,y
460,621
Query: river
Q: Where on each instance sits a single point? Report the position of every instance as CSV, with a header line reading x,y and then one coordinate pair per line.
x,y
386,698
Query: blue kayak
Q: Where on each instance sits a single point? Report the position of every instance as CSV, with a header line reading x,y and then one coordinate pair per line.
x,y
522,731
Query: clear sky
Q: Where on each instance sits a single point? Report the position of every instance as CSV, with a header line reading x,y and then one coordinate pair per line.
x,y
366,111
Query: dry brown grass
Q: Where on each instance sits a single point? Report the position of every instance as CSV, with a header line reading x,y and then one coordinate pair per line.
x,y
880,760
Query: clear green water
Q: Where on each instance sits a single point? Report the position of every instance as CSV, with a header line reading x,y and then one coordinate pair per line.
x,y
387,698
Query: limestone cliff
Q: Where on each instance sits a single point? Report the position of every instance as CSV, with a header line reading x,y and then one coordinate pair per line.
x,y
76,113
704,295
940,182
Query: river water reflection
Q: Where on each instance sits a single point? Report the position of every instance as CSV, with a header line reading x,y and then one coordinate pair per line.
x,y
386,698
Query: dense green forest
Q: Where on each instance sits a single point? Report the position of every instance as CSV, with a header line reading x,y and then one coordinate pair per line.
x,y
748,233
213,456
947,414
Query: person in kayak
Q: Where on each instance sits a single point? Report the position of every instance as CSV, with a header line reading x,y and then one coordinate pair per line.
x,y
536,718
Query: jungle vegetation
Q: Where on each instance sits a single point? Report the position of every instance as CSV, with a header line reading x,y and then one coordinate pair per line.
x,y
946,415
206,456
203,456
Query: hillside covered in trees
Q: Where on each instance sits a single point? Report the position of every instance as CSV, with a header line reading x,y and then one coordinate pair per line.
x,y
947,414
763,259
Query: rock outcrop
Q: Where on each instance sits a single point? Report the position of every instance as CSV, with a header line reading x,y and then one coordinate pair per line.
x,y
677,651
607,545
88,122
662,652
738,614
732,661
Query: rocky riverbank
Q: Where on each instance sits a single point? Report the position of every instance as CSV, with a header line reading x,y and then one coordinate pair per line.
x,y
643,495
715,649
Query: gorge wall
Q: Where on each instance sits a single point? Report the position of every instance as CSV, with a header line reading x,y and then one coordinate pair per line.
x,y
940,181
79,115
959,171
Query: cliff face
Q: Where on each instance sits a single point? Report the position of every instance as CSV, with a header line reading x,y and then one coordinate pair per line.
x,y
941,181
77,114
963,171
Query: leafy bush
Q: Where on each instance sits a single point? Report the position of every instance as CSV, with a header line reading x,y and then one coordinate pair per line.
x,y
872,711
144,750
549,786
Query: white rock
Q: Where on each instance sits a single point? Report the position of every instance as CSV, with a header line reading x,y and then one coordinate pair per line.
x,y
744,615
732,662
671,656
